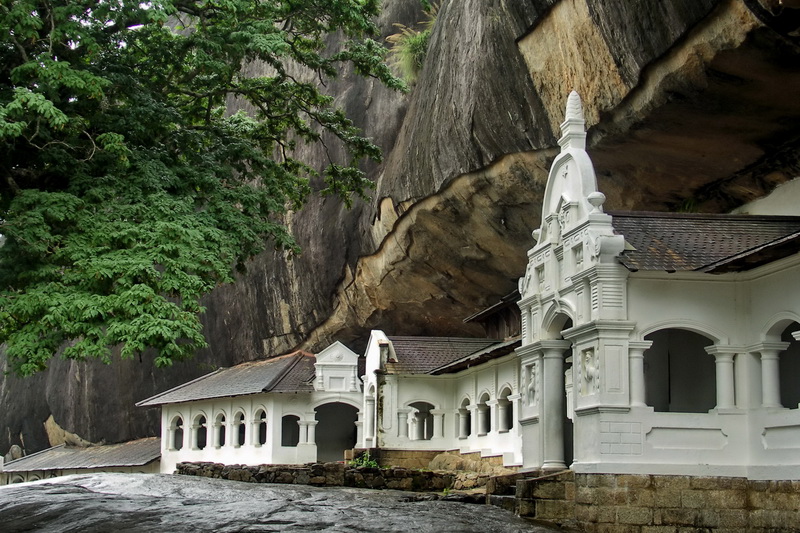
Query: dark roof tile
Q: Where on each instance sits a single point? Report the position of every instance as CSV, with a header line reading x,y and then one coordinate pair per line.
x,y
420,355
704,242
287,373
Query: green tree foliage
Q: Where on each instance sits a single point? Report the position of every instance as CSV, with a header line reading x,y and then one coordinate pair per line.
x,y
128,190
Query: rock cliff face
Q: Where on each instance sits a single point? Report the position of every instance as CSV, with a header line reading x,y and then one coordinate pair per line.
x,y
691,104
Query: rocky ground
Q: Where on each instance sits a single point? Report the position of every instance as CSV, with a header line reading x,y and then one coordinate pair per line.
x,y
145,502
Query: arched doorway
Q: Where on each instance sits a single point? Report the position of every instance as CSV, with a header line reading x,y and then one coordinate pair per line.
x,y
336,430
789,368
421,421
680,376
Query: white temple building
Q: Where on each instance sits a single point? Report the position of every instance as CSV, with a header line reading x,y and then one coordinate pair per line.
x,y
638,342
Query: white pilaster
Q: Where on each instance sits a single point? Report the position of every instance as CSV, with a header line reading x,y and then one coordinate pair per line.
x,y
723,358
770,373
553,409
636,351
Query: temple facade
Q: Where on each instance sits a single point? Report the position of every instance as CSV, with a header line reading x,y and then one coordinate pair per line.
x,y
637,342
655,342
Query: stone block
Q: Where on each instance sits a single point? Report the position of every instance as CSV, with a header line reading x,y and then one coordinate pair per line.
x,y
618,528
526,508
584,495
607,480
709,483
694,499
732,518
525,488
667,498
708,517
727,499
679,517
554,510
641,497
659,529
551,490
632,481
504,502
671,482
635,515
606,514
569,490
771,519
586,513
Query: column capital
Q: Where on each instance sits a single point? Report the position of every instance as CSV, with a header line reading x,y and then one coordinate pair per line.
x,y
554,348
312,422
492,403
437,411
640,346
768,347
724,349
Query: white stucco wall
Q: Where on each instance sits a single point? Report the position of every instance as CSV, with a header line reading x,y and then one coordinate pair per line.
x,y
276,406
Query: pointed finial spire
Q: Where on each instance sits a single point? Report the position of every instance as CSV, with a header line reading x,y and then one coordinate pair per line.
x,y
573,133
574,107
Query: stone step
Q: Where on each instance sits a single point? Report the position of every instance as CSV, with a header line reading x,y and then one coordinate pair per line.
x,y
507,502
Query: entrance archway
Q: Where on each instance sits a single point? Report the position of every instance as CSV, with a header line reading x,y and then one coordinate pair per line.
x,y
336,430
680,376
789,365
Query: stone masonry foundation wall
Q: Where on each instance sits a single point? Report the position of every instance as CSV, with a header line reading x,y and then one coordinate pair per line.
x,y
616,503
325,474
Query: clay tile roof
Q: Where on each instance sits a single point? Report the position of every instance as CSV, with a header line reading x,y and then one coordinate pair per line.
x,y
134,453
287,373
420,355
704,242
494,351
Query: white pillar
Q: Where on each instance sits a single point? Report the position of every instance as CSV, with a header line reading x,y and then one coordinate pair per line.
x,y
419,426
369,418
232,436
770,373
312,431
493,420
723,358
483,419
303,438
463,423
473,419
553,409
402,423
502,416
636,351
515,400
438,423
195,429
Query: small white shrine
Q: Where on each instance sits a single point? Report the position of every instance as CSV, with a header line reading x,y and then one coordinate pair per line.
x,y
293,409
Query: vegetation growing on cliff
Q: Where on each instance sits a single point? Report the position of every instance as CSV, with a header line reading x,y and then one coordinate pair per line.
x,y
410,46
128,190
